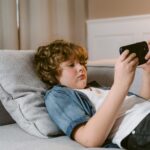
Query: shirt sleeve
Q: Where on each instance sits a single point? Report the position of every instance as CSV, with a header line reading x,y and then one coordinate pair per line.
x,y
67,108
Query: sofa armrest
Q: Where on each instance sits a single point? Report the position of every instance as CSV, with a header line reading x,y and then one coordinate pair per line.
x,y
103,72
102,62
104,75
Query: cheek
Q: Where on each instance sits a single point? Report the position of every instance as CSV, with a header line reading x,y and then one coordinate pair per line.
x,y
67,75
72,73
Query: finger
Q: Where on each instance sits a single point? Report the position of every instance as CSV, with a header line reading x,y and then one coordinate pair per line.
x,y
147,56
134,62
124,55
148,42
131,57
148,61
145,64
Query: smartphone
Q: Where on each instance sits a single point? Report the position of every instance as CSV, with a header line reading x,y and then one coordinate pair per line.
x,y
140,48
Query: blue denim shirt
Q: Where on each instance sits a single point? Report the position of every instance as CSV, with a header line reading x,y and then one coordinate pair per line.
x,y
68,108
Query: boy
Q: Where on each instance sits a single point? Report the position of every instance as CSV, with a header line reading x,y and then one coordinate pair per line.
x,y
91,115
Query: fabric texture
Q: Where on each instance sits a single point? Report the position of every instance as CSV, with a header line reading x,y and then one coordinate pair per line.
x,y
21,93
68,108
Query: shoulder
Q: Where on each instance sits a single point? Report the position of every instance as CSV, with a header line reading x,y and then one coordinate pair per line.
x,y
59,92
58,89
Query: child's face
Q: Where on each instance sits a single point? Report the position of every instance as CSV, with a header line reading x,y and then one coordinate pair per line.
x,y
73,75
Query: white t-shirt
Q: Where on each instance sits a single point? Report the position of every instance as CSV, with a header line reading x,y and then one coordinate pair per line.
x,y
132,112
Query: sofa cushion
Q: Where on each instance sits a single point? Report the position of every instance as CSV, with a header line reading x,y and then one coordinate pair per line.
x,y
24,141
21,93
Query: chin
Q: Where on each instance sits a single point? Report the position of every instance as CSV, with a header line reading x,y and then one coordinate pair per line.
x,y
82,86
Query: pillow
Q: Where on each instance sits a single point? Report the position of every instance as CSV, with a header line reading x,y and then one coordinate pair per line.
x,y
5,118
21,93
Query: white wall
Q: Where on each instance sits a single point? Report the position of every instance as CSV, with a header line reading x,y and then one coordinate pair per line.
x,y
105,36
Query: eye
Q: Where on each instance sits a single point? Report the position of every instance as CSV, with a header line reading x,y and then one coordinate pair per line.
x,y
71,65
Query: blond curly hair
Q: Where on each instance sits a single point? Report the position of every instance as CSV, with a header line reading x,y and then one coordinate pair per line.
x,y
48,59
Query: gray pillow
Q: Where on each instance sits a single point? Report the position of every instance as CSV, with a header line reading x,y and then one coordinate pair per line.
x,y
21,93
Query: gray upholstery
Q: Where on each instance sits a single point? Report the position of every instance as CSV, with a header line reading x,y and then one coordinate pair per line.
x,y
14,138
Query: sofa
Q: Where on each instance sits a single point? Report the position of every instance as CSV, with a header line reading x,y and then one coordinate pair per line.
x,y
24,121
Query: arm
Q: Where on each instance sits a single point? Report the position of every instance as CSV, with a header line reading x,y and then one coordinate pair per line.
x,y
96,130
145,87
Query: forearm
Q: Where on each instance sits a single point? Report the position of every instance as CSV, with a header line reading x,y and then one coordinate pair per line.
x,y
145,86
97,129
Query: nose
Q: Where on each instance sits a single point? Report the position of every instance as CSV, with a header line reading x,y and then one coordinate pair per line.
x,y
80,67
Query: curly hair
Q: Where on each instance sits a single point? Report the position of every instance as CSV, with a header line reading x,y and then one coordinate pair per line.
x,y
48,59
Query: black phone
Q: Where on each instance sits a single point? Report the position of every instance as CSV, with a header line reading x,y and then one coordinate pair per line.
x,y
140,48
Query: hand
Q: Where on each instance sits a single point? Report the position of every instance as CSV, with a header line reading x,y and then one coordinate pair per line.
x,y
145,86
125,69
146,66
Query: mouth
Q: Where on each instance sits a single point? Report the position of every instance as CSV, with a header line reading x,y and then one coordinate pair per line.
x,y
81,77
